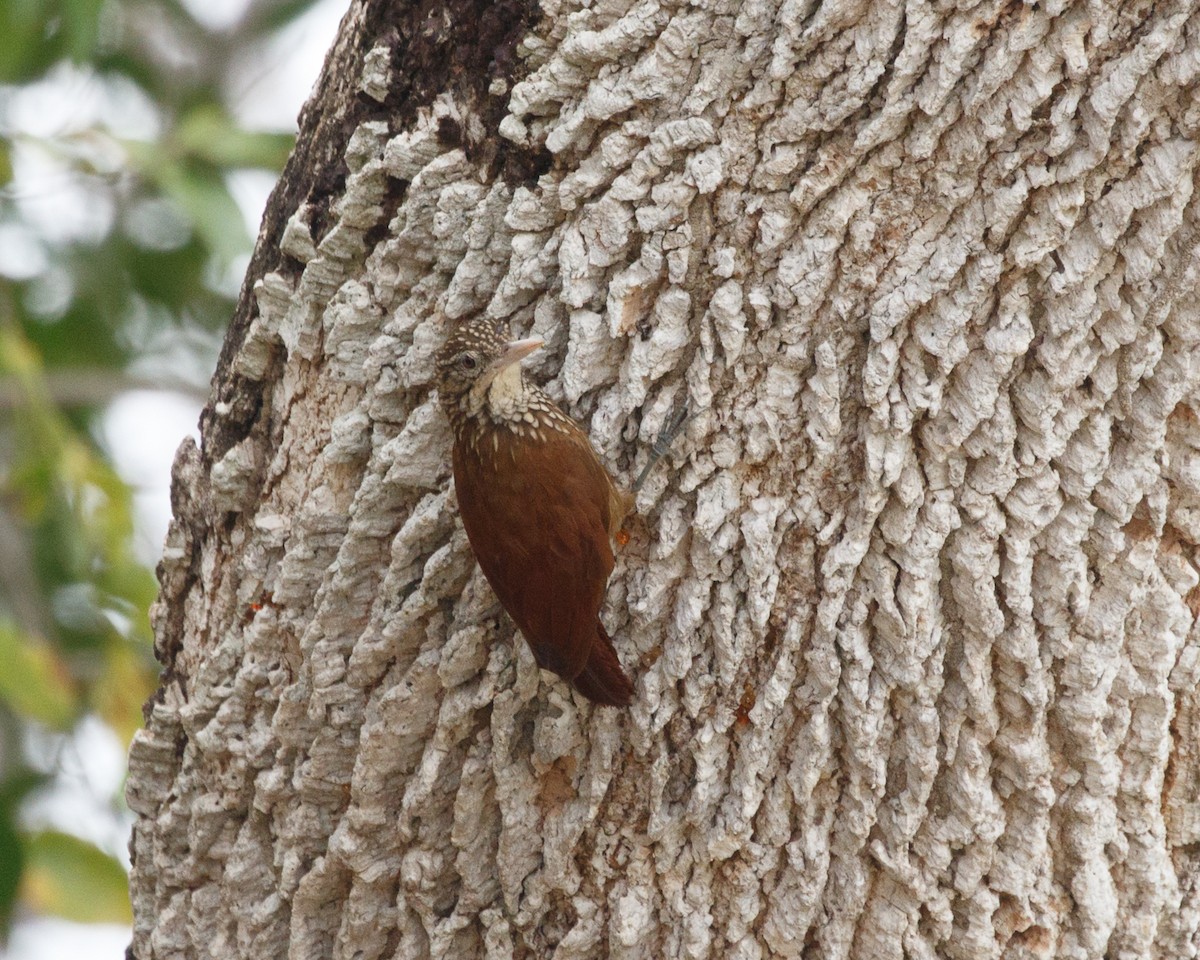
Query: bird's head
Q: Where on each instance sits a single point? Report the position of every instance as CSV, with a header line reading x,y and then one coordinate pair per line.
x,y
476,360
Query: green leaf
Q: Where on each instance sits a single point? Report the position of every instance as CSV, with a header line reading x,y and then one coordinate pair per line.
x,y
200,192
12,862
70,878
38,33
29,48
34,680
12,857
208,133
215,214
128,678
81,22
273,16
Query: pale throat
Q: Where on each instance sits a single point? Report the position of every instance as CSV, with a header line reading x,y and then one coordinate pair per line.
x,y
507,398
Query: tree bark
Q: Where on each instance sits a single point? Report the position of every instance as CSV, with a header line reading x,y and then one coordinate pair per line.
x,y
911,614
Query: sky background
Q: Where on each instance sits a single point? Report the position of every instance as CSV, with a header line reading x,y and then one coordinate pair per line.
x,y
142,428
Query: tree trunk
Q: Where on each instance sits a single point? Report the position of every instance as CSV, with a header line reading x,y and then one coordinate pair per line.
x,y
910,611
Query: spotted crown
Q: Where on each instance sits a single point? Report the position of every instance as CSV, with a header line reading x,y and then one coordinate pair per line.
x,y
465,356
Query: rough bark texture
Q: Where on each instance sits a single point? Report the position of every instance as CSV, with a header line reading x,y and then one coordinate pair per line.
x,y
911,617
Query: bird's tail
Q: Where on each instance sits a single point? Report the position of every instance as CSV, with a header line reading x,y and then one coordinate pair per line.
x,y
602,679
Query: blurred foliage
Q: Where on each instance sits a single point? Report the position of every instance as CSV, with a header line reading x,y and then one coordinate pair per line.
x,y
70,878
120,241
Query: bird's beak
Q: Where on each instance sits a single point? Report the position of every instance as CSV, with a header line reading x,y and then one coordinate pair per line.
x,y
514,352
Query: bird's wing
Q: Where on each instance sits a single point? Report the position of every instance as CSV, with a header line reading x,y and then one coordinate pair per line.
x,y
536,513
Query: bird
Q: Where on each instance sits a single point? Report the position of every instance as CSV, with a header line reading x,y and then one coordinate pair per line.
x,y
539,507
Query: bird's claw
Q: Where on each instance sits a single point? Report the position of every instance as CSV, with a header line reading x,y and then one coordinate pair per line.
x,y
666,436
671,429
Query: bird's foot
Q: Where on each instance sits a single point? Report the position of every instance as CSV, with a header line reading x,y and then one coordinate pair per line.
x,y
666,436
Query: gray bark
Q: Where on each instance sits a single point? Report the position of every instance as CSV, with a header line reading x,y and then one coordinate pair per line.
x,y
910,614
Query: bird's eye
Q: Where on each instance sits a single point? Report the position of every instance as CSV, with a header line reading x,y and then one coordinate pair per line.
x,y
468,362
